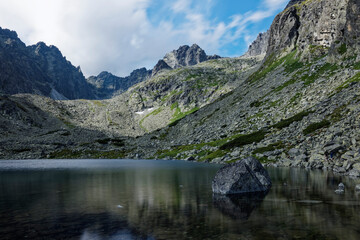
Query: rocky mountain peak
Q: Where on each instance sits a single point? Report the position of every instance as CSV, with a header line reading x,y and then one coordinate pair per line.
x,y
259,46
186,56
42,48
8,33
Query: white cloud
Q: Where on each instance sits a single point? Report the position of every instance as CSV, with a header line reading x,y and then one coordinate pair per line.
x,y
118,36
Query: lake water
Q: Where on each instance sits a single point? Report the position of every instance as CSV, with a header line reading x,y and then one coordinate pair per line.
x,y
130,199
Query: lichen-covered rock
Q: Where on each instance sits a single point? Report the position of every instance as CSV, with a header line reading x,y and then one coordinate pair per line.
x,y
245,176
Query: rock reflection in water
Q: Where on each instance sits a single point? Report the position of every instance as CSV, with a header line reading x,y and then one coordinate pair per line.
x,y
238,206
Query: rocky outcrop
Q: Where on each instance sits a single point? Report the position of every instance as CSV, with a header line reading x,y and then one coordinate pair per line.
x,y
187,56
259,46
161,65
245,176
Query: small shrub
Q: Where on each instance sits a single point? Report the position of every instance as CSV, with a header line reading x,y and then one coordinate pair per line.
x,y
213,155
287,122
342,49
271,147
256,104
315,126
244,140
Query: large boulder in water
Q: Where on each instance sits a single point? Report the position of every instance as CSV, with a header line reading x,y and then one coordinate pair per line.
x,y
245,176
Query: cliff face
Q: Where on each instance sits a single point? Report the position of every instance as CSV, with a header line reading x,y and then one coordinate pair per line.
x,y
63,76
38,69
19,72
315,27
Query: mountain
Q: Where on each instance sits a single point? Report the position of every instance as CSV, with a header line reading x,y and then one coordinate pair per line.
x,y
296,105
108,85
187,56
38,69
43,70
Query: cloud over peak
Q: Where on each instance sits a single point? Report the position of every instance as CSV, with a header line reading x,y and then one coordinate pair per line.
x,y
119,36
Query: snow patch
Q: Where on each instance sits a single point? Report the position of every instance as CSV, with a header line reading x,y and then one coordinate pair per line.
x,y
145,111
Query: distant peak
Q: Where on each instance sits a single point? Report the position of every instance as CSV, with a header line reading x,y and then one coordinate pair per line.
x,y
186,56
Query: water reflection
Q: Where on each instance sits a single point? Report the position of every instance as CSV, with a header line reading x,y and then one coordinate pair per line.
x,y
170,200
238,206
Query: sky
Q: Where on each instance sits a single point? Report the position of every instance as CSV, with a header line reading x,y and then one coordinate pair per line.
x,y
122,35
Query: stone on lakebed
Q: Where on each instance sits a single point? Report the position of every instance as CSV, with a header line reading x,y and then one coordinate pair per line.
x,y
245,176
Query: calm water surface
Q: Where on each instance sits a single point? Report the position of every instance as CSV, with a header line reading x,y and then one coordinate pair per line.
x,y
128,199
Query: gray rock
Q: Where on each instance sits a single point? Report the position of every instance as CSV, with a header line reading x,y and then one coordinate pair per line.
x,y
341,189
245,176
354,173
333,149
294,152
357,188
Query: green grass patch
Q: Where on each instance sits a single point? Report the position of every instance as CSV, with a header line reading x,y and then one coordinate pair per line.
x,y
173,152
342,49
357,66
242,140
315,126
175,105
213,155
287,122
338,113
346,84
172,93
295,98
178,115
327,68
290,62
270,148
286,84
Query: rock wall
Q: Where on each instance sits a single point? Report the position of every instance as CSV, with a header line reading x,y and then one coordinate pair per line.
x,y
310,25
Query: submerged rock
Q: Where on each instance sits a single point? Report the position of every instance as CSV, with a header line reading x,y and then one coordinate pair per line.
x,y
245,176
341,189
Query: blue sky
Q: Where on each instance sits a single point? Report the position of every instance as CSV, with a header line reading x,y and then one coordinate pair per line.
x,y
122,35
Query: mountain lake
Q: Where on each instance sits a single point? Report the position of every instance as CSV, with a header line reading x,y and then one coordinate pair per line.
x,y
156,199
